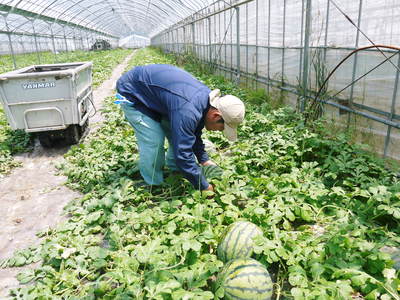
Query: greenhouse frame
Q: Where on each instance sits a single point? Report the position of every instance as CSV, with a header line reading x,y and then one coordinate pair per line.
x,y
187,149
273,43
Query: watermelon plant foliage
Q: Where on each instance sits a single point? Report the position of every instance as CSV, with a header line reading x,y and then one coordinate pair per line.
x,y
326,209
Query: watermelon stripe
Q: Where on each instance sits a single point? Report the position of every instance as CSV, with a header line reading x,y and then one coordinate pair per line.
x,y
241,267
267,297
248,289
237,239
234,297
225,243
262,273
247,241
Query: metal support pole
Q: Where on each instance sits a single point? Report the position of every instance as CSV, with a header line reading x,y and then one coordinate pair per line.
x,y
178,48
87,40
307,33
74,38
269,45
172,41
238,44
231,42
283,41
65,40
393,107
35,39
93,39
169,41
53,43
22,46
81,39
10,44
301,43
193,41
225,45
218,51
172,44
247,44
256,43
209,42
326,29
353,76
184,40
201,40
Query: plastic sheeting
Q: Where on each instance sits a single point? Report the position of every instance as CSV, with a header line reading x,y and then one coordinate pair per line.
x,y
65,25
119,18
272,38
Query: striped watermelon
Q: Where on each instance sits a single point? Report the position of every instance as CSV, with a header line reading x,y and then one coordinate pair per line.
x,y
396,259
246,279
395,255
237,241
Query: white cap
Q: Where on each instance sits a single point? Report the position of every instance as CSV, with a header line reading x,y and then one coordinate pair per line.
x,y
232,111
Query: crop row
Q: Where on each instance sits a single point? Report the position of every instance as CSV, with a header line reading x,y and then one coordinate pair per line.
x,y
328,211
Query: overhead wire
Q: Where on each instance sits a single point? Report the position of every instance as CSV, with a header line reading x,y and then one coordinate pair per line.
x,y
359,29
365,74
312,108
311,111
226,33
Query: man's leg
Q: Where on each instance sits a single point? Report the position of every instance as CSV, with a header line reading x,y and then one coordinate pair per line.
x,y
150,138
170,160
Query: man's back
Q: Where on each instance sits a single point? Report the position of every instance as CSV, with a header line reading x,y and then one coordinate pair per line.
x,y
163,88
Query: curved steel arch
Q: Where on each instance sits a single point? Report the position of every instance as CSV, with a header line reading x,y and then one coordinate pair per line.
x,y
148,16
153,22
65,11
117,23
30,16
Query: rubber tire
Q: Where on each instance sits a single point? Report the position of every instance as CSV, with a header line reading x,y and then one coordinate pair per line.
x,y
73,134
84,129
45,140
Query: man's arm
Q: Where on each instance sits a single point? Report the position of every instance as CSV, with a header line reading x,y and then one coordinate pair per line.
x,y
199,148
183,128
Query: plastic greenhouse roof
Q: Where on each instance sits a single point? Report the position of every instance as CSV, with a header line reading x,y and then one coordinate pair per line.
x,y
117,18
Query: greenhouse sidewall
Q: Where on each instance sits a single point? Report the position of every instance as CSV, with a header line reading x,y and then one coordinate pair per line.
x,y
271,43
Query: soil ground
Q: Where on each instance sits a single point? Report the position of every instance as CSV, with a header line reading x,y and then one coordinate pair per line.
x,y
32,196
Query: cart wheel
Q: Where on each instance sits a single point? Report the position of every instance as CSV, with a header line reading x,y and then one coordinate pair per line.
x,y
45,140
73,134
84,128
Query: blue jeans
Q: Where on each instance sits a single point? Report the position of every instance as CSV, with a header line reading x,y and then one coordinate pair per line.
x,y
150,136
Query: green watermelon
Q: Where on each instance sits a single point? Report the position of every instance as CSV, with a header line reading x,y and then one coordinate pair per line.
x,y
396,259
211,171
245,279
237,241
395,255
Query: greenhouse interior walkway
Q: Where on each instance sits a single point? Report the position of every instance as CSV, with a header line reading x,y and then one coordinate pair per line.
x,y
35,194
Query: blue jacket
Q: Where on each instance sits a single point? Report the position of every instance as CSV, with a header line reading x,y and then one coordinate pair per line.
x,y
165,91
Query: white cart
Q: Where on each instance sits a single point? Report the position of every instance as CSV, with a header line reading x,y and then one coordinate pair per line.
x,y
54,101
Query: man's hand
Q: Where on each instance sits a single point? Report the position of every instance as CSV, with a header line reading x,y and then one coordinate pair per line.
x,y
208,163
210,188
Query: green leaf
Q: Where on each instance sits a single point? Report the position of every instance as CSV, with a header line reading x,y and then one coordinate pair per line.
x,y
297,293
317,270
26,276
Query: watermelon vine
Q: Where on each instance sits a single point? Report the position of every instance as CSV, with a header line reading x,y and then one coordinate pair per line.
x,y
328,212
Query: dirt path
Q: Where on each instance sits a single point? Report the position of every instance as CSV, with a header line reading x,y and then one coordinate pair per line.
x,y
32,197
